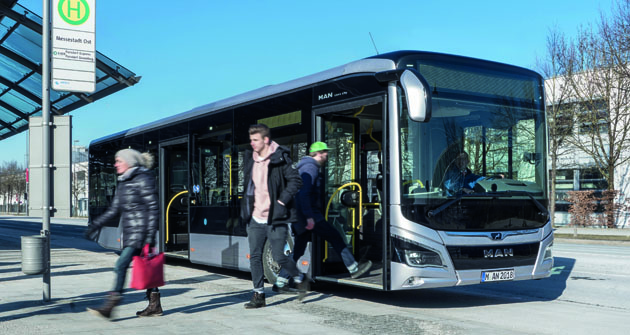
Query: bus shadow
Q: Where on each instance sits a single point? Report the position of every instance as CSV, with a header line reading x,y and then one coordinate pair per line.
x,y
546,289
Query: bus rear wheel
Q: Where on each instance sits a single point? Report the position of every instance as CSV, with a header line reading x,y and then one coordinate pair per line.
x,y
270,266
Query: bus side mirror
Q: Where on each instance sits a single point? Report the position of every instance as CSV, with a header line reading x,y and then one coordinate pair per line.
x,y
417,95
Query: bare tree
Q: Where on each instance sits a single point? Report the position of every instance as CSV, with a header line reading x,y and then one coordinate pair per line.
x,y
596,65
616,31
560,107
12,182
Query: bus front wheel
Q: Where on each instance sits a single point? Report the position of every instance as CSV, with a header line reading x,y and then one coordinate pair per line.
x,y
270,266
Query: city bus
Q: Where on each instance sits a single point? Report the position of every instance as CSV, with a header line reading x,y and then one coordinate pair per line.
x,y
395,124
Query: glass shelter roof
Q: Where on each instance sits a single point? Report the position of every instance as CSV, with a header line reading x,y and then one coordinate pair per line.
x,y
21,73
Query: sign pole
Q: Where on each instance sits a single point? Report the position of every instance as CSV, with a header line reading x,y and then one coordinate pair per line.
x,y
72,66
46,144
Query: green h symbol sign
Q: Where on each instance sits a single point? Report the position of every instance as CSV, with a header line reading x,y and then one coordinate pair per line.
x,y
76,9
74,12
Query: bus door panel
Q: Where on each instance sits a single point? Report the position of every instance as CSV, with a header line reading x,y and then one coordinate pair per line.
x,y
175,196
341,190
212,199
352,194
340,179
214,226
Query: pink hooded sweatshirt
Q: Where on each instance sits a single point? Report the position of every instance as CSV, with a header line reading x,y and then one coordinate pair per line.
x,y
261,192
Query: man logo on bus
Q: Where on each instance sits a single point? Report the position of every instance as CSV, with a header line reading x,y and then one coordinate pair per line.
x,y
74,12
496,253
496,236
325,96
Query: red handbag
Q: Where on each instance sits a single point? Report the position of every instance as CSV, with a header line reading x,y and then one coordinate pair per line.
x,y
148,270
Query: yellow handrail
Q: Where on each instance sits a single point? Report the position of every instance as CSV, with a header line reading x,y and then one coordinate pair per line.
x,y
167,209
230,173
414,181
369,132
353,216
359,112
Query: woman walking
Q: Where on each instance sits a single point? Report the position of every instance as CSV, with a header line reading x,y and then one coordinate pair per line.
x,y
136,202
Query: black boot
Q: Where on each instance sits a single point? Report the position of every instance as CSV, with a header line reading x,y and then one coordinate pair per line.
x,y
258,300
148,297
154,308
106,310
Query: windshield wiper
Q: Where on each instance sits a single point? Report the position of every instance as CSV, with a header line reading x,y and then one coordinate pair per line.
x,y
444,206
531,196
447,204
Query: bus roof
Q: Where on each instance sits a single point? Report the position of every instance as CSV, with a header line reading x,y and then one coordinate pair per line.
x,y
399,56
378,63
368,65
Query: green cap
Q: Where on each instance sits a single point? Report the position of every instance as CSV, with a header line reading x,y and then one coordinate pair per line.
x,y
318,146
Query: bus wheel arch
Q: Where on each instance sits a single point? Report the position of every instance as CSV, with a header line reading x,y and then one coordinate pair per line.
x,y
271,268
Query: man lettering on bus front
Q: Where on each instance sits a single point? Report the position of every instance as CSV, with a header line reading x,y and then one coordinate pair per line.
x,y
271,183
311,219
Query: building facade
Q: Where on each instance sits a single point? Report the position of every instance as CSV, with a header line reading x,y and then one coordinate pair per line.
x,y
576,170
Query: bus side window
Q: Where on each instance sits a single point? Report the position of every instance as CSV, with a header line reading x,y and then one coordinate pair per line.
x,y
213,159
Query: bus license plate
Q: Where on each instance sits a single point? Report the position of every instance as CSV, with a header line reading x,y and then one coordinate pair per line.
x,y
501,275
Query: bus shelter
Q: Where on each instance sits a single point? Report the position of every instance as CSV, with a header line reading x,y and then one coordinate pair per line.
x,y
21,73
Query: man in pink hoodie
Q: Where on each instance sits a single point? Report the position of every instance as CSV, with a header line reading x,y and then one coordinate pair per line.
x,y
271,183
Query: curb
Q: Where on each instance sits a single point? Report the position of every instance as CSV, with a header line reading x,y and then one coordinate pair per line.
x,y
620,238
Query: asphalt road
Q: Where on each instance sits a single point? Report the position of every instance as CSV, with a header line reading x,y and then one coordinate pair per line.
x,y
588,293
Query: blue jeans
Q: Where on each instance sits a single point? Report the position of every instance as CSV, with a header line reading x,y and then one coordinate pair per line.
x,y
257,235
326,231
122,264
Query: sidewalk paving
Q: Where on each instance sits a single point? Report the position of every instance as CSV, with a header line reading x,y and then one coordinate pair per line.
x,y
196,299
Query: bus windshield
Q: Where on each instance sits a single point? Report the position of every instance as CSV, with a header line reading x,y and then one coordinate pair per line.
x,y
479,163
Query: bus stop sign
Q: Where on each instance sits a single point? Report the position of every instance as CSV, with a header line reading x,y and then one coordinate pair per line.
x,y
73,45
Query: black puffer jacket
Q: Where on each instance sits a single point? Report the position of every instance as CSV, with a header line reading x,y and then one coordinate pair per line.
x,y
283,183
136,202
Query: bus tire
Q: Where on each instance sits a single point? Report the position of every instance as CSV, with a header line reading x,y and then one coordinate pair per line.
x,y
270,266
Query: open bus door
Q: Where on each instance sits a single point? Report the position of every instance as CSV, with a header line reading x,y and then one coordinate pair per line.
x,y
174,195
352,192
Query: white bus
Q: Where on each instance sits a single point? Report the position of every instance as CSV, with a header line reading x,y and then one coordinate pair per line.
x,y
396,123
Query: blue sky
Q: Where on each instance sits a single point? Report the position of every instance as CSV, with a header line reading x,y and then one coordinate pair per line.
x,y
198,51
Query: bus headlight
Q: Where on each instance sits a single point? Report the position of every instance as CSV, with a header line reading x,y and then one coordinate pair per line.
x,y
422,258
412,254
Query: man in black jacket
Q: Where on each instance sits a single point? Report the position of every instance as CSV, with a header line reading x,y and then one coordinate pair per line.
x,y
271,183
